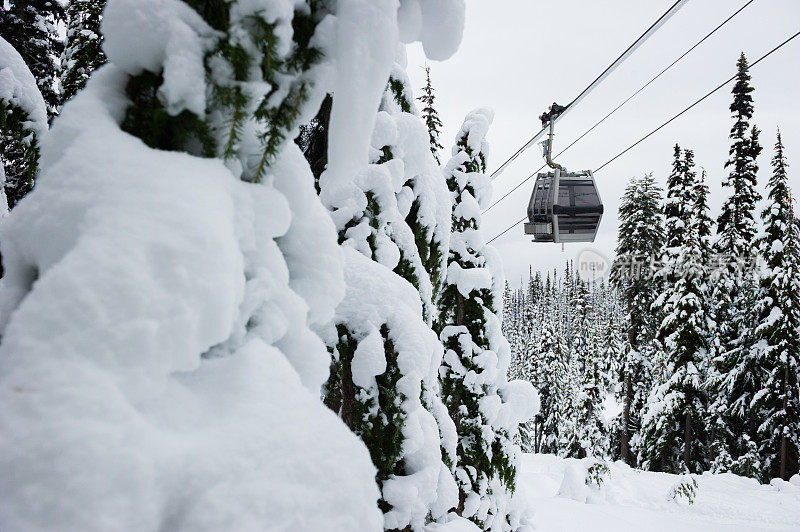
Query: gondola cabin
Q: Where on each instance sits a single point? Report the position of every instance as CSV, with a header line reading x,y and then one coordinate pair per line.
x,y
564,207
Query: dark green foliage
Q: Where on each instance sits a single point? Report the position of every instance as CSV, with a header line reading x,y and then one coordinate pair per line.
x,y
398,91
777,348
83,52
313,139
734,380
640,244
147,119
31,27
214,12
430,116
736,223
376,418
430,250
677,206
21,152
275,119
282,118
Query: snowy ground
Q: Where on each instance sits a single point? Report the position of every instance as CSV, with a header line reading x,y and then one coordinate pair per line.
x,y
638,500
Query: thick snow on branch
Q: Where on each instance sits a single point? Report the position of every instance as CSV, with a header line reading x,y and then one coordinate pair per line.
x,y
133,393
438,24
376,296
176,41
18,87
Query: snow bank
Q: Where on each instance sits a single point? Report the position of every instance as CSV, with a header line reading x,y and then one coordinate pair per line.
x,y
628,498
18,87
156,367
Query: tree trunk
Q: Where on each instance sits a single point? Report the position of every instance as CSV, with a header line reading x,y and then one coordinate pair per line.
x,y
459,309
785,387
625,452
348,405
687,441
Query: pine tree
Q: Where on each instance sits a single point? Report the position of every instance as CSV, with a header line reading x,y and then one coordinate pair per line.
x,y
736,223
548,372
639,246
585,430
675,203
472,373
430,115
397,232
705,225
673,427
82,52
272,288
777,347
733,381
23,120
31,26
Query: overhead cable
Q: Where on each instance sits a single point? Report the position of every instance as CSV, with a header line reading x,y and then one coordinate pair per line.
x,y
629,98
599,79
648,135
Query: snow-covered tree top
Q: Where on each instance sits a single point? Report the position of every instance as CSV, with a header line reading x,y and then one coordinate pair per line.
x,y
18,87
474,129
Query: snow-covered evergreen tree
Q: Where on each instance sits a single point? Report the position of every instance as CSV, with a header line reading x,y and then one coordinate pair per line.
x,y
736,223
23,120
573,384
673,426
172,332
584,429
431,116
777,347
734,383
31,27
548,371
486,408
82,50
394,225
639,247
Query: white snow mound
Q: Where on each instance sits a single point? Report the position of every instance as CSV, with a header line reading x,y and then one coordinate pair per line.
x,y
134,394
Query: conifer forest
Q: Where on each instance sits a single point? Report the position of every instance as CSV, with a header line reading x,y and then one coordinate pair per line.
x,y
255,274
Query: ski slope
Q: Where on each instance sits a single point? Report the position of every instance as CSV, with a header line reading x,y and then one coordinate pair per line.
x,y
629,499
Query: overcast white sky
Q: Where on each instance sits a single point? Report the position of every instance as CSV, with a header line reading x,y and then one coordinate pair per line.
x,y
518,56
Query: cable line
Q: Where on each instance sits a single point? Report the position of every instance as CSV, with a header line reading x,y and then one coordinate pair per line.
x,y
629,98
718,87
696,102
618,61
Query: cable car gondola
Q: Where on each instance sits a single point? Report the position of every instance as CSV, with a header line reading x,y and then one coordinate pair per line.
x,y
564,206
571,215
